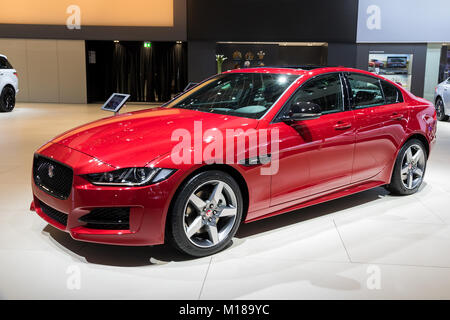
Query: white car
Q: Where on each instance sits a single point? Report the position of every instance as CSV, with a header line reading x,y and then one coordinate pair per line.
x,y
442,100
9,85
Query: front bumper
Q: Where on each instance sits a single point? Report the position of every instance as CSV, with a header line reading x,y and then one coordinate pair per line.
x,y
148,205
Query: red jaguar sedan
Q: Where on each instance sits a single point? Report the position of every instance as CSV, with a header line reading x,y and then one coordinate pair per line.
x,y
240,146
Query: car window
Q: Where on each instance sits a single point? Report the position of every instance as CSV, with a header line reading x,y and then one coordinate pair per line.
x,y
4,64
241,94
325,91
391,93
365,91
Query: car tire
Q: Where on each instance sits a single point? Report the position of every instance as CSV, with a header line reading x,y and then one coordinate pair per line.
x,y
440,110
205,214
409,168
7,99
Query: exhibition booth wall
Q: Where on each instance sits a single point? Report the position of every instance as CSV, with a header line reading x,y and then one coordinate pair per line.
x,y
86,64
148,71
46,42
49,70
286,31
414,31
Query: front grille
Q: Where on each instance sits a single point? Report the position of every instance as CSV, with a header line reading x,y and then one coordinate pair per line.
x,y
52,177
107,218
54,214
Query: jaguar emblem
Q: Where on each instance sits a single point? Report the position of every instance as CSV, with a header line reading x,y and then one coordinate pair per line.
x,y
51,171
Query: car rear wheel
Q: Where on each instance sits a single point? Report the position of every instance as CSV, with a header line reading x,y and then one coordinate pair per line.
x,y
7,99
206,214
440,111
409,168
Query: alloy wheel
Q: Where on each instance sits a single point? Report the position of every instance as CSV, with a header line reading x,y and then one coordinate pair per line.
x,y
439,108
413,167
210,214
9,99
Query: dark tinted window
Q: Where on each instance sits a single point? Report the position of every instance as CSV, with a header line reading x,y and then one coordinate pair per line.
x,y
4,64
391,93
324,90
365,91
241,94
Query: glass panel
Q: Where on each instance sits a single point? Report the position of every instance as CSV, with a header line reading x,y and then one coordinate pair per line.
x,y
324,91
365,91
391,93
3,64
242,94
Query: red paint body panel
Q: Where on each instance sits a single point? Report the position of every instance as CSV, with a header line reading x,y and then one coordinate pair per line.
x,y
145,135
322,159
309,146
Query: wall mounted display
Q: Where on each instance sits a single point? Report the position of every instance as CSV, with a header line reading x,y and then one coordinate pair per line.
x,y
395,67
247,55
254,54
237,55
403,21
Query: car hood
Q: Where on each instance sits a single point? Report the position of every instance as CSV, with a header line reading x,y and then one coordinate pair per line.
x,y
136,138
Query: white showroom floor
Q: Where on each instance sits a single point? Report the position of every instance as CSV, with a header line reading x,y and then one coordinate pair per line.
x,y
368,245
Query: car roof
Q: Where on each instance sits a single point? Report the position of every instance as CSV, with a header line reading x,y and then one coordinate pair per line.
x,y
301,70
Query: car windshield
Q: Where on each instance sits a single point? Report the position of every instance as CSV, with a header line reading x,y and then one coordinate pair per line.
x,y
247,95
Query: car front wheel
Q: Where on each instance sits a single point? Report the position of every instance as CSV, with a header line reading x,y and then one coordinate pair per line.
x,y
440,111
206,213
7,99
409,168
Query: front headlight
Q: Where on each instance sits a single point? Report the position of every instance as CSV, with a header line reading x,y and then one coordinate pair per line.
x,y
131,177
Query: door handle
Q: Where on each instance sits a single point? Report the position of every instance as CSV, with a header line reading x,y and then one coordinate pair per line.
x,y
341,125
397,116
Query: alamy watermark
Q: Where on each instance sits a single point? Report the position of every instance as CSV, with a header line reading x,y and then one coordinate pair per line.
x,y
374,279
73,21
234,146
73,281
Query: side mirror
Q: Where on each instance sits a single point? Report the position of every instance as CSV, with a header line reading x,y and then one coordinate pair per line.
x,y
302,111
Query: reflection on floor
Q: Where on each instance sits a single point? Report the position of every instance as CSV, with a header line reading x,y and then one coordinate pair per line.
x,y
369,245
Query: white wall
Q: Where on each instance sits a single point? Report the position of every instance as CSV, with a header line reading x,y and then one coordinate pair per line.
x,y
48,70
431,70
403,21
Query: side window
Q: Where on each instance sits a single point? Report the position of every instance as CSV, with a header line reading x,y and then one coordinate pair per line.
x,y
391,93
4,64
365,91
326,91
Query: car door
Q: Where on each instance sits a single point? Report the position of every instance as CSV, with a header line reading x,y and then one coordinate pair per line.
x,y
315,155
380,124
3,74
6,73
446,94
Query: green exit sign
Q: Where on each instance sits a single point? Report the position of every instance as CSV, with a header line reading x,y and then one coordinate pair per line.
x,y
147,44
